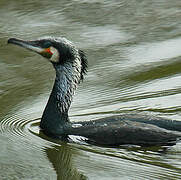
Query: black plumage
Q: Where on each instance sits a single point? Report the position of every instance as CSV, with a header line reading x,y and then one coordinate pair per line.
x,y
70,65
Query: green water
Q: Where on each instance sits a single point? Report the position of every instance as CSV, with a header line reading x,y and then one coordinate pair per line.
x,y
133,49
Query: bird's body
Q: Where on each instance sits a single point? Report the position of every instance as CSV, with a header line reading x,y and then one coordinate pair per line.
x,y
70,65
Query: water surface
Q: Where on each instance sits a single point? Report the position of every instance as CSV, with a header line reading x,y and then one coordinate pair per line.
x,y
133,48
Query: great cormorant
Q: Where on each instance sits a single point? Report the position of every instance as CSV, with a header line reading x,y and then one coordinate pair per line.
x,y
70,65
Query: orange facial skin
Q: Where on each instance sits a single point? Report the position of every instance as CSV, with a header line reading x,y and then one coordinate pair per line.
x,y
47,50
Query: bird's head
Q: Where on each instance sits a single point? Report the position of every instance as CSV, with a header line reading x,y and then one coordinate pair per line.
x,y
57,50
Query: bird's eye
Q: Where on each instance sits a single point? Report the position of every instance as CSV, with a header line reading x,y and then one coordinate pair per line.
x,y
46,44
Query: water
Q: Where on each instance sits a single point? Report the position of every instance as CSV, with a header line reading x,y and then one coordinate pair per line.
x,y
133,48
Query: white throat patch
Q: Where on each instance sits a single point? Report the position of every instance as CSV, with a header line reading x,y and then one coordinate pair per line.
x,y
55,54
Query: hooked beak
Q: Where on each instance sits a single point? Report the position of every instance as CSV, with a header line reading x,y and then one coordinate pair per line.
x,y
31,45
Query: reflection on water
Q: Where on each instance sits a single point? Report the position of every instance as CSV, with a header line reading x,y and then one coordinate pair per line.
x,y
133,48
61,159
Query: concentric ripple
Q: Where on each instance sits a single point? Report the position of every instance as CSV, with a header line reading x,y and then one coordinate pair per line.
x,y
17,125
21,130
20,127
33,126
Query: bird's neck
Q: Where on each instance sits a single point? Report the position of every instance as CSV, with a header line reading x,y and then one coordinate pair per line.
x,y
55,114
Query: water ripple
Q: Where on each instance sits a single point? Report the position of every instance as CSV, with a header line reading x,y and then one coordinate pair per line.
x,y
13,125
27,132
18,127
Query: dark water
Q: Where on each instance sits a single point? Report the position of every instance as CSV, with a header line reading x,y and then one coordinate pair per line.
x,y
134,54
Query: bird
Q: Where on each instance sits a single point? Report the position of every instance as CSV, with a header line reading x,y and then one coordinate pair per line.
x,y
70,64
